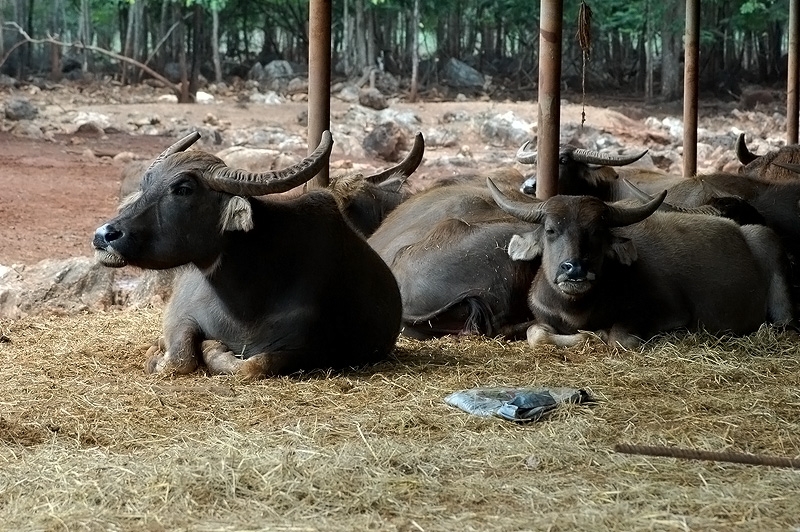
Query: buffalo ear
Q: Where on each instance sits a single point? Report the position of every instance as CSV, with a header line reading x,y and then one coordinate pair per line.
x,y
598,175
237,215
526,246
623,250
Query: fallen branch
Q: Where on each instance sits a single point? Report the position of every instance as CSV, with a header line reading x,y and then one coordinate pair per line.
x,y
714,456
52,40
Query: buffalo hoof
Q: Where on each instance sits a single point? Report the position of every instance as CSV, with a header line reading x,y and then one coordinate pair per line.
x,y
221,361
159,360
545,335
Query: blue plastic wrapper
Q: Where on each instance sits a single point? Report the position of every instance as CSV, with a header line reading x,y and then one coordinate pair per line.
x,y
515,404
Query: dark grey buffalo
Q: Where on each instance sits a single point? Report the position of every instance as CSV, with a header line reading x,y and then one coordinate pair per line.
x,y
630,274
583,172
273,286
447,247
367,200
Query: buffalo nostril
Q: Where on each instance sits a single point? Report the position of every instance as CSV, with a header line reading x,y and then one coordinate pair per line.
x,y
113,235
529,186
106,235
573,269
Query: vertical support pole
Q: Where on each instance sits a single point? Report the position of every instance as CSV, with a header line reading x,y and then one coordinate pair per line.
x,y
319,78
690,75
791,82
549,98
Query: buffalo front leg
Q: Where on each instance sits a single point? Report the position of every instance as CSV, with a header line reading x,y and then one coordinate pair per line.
x,y
175,354
539,334
221,361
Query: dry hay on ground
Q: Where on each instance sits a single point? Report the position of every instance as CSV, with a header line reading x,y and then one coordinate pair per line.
x,y
88,442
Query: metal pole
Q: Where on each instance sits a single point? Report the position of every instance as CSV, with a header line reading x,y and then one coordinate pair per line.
x,y
791,82
549,97
691,54
319,78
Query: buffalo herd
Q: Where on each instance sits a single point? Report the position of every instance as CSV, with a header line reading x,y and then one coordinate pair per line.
x,y
270,285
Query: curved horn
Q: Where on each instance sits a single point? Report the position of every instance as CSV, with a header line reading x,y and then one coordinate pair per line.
x,y
525,155
595,157
242,183
621,216
407,166
744,155
644,197
716,192
638,193
792,167
528,211
181,145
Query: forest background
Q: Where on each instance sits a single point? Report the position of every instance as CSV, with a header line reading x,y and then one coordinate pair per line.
x,y
636,47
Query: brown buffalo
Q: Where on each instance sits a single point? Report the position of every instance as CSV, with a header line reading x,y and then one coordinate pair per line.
x,y
447,247
630,274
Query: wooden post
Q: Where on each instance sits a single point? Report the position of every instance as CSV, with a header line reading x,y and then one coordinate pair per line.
x,y
319,78
690,72
549,98
791,81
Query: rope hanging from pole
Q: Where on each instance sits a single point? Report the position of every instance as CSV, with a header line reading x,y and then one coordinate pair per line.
x,y
585,42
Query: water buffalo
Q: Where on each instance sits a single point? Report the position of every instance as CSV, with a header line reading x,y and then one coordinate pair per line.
x,y
272,287
768,167
593,173
778,203
364,200
447,247
630,274
367,200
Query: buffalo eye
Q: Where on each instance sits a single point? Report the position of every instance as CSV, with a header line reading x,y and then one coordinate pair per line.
x,y
183,187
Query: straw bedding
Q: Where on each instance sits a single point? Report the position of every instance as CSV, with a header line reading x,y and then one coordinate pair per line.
x,y
89,442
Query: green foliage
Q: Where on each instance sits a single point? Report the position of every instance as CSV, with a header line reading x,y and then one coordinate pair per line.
x,y
515,21
212,5
753,7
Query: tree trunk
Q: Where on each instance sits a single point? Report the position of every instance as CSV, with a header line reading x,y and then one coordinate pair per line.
x,y
763,57
2,25
127,50
360,37
56,29
672,46
180,37
649,66
372,53
137,44
85,32
197,39
346,38
414,51
22,53
215,44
